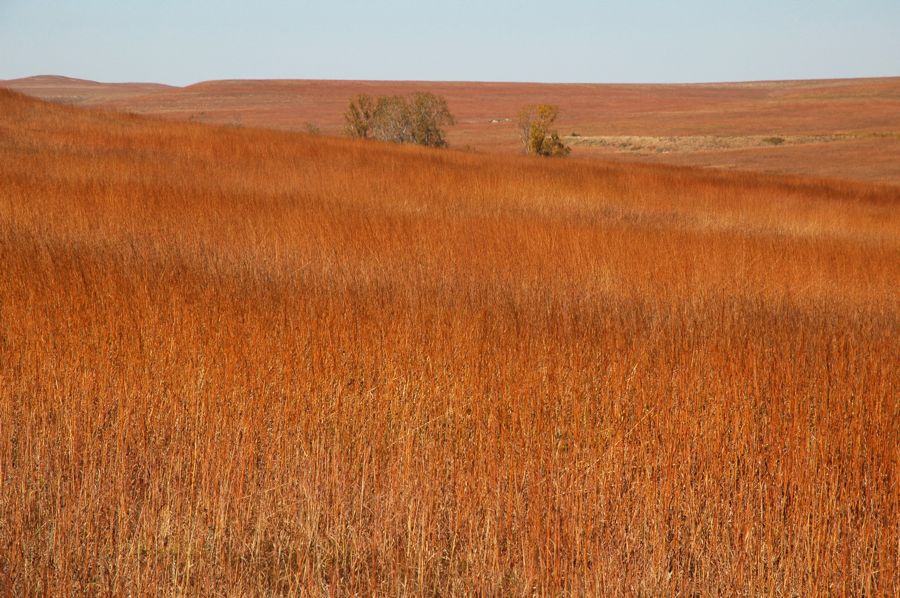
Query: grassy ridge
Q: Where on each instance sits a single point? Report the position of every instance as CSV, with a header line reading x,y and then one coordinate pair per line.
x,y
249,362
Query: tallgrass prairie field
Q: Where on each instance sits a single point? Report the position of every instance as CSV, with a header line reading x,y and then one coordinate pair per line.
x,y
840,128
244,362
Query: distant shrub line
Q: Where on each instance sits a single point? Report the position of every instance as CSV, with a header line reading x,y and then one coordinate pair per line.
x,y
421,118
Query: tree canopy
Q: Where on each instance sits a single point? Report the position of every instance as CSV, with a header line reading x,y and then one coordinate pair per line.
x,y
419,118
535,123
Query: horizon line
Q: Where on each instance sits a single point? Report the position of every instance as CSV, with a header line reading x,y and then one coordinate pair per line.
x,y
452,81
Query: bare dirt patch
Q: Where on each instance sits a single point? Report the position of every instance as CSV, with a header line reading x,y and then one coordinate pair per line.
x,y
697,143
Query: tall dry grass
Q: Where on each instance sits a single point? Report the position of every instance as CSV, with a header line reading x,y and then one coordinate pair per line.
x,y
241,362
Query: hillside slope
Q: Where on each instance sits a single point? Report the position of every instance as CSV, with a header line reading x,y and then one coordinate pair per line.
x,y
249,362
846,128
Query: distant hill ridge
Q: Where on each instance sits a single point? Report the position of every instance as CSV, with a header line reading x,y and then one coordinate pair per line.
x,y
844,128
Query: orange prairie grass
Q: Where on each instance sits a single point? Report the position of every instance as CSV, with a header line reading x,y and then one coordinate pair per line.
x,y
248,362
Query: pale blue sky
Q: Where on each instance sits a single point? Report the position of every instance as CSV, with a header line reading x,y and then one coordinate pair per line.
x,y
184,41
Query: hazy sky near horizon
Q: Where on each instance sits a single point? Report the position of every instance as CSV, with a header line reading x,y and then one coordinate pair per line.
x,y
185,41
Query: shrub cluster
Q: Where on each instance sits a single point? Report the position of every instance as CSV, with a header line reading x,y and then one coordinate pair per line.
x,y
535,124
418,119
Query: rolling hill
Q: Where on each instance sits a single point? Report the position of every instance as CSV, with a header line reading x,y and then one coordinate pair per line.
x,y
837,128
239,361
